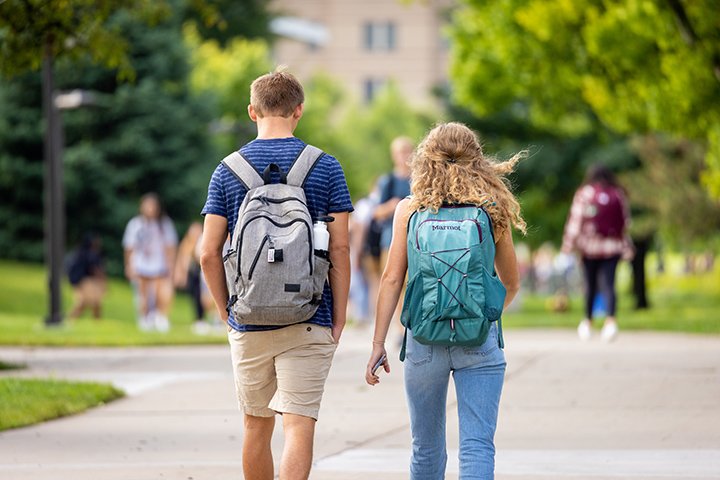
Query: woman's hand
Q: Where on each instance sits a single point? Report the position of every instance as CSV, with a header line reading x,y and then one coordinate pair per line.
x,y
377,353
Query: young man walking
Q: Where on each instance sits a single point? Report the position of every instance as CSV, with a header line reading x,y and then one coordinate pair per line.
x,y
279,369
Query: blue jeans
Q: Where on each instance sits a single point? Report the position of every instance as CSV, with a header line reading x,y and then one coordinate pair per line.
x,y
478,373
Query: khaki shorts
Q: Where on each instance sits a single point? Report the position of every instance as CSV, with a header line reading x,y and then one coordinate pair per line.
x,y
283,370
89,291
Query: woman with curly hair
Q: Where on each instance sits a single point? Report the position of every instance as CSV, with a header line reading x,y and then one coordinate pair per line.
x,y
449,169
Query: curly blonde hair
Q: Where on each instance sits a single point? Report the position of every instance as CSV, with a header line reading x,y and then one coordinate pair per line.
x,y
449,167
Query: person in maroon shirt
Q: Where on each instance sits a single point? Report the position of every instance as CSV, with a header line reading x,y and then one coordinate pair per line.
x,y
597,229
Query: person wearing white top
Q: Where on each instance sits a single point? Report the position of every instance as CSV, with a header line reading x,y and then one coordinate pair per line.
x,y
150,244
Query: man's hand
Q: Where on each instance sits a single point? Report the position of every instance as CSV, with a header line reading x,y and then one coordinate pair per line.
x,y
213,239
337,330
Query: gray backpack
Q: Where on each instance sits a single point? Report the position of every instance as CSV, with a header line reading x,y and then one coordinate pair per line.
x,y
274,276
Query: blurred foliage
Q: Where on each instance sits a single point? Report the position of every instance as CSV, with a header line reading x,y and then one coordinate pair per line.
x,y
546,181
75,29
226,20
363,134
223,76
636,66
359,136
691,220
148,135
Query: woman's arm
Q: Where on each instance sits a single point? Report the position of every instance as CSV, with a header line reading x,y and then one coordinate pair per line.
x,y
391,285
506,265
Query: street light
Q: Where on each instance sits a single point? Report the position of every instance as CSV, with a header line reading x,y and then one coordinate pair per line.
x,y
54,189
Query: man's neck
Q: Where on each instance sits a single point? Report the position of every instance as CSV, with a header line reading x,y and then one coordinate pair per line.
x,y
275,127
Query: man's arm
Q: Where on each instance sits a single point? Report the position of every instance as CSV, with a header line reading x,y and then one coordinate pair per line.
x,y
213,239
339,277
386,210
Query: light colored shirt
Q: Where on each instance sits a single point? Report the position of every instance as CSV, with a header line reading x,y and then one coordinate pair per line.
x,y
148,241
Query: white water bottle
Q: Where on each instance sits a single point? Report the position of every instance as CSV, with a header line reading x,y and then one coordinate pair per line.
x,y
321,238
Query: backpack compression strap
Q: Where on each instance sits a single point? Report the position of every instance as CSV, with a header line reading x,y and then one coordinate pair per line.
x,y
303,165
243,170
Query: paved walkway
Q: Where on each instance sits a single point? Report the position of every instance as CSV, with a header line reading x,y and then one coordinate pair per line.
x,y
645,407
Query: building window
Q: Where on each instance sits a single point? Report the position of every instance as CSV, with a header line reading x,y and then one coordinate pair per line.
x,y
371,88
379,36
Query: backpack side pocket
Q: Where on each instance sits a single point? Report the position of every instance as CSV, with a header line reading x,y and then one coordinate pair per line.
x,y
320,275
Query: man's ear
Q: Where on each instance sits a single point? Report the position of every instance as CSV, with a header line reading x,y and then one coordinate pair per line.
x,y
298,112
252,113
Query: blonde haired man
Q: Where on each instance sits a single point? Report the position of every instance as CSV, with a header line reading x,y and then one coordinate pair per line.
x,y
280,370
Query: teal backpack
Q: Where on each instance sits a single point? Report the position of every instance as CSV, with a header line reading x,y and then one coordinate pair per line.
x,y
453,293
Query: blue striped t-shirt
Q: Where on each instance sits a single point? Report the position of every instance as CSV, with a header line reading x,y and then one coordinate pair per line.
x,y
326,192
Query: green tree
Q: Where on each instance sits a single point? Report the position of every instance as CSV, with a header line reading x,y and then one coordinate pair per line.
x,y
636,66
364,134
150,135
223,76
545,181
31,30
226,20
691,218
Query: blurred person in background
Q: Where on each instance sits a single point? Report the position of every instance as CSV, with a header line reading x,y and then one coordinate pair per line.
x,y
150,244
597,229
188,276
86,273
392,188
363,287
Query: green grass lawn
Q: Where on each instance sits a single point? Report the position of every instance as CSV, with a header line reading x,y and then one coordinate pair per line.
x,y
28,401
683,303
23,305
689,303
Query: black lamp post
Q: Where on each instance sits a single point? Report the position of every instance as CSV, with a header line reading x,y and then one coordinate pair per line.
x,y
54,201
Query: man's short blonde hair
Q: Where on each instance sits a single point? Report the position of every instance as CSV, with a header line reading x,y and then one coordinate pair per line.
x,y
276,94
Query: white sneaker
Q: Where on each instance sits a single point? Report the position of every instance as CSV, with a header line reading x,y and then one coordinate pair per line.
x,y
162,324
146,323
201,327
609,331
585,330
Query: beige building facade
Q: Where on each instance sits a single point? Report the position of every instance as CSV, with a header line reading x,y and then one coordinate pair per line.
x,y
365,44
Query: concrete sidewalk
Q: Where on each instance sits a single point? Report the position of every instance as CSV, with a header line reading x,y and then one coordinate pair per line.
x,y
644,407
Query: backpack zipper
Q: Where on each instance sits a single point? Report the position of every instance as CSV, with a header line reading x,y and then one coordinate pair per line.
x,y
417,231
267,200
280,225
257,256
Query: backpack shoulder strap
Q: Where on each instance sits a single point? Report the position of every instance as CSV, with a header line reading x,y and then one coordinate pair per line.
x,y
243,170
388,189
303,165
